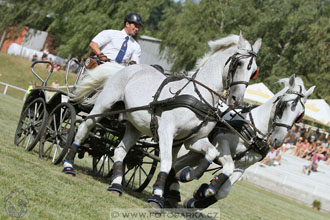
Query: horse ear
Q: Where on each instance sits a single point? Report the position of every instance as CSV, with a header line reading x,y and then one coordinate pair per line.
x,y
241,41
292,81
309,92
256,46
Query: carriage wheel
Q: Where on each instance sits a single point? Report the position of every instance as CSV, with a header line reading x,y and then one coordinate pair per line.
x,y
102,165
102,158
58,134
140,164
32,120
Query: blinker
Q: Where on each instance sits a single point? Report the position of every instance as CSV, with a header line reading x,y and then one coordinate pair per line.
x,y
255,74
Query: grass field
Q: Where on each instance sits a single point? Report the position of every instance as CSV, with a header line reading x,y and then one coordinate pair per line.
x,y
53,195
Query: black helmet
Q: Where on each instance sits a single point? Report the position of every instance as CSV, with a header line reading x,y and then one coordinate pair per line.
x,y
133,18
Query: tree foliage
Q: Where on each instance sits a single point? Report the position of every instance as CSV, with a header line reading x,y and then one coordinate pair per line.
x,y
295,33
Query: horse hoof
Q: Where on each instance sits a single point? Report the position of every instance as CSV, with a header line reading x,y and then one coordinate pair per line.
x,y
155,206
189,203
115,189
156,203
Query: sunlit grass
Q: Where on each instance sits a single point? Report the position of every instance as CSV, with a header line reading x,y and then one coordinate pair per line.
x,y
53,195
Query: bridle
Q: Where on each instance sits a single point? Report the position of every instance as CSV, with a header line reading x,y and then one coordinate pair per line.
x,y
280,106
234,63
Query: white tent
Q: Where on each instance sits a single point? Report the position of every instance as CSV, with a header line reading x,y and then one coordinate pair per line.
x,y
317,110
257,94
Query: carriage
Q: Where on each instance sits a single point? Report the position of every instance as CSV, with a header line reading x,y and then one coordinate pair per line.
x,y
50,117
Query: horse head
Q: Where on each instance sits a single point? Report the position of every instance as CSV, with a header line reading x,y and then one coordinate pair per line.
x,y
288,109
241,67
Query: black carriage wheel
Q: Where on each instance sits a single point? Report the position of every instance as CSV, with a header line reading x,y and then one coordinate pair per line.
x,y
140,164
102,163
58,134
30,124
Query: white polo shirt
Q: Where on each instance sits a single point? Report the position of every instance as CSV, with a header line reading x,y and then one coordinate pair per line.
x,y
110,42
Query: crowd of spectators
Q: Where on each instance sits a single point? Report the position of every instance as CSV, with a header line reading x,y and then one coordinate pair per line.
x,y
303,143
312,146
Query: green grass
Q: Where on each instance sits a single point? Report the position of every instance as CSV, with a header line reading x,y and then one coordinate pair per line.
x,y
16,71
53,195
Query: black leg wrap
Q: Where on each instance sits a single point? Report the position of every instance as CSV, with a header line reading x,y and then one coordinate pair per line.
x,y
199,194
201,168
117,170
72,153
202,204
218,181
187,173
160,182
171,194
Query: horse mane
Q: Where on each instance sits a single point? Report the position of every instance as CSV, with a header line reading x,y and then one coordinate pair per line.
x,y
220,44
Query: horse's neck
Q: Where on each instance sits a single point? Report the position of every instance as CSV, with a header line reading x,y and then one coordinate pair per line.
x,y
261,115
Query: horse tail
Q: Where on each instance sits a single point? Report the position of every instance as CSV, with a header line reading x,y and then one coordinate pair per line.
x,y
93,82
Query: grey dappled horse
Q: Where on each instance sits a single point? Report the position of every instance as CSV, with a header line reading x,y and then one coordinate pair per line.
x,y
273,119
231,63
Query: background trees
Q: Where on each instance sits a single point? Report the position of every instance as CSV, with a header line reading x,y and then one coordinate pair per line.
x,y
295,33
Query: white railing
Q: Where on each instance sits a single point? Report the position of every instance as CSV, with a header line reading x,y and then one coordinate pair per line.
x,y
6,85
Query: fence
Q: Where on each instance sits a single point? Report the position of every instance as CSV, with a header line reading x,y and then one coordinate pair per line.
x,y
14,87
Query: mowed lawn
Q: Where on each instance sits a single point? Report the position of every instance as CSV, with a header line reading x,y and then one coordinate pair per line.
x,y
53,195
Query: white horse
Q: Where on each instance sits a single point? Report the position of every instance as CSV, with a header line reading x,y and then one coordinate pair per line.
x,y
230,63
273,120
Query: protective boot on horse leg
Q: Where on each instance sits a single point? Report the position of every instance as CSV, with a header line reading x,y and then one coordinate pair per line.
x,y
172,186
166,136
82,133
188,173
129,139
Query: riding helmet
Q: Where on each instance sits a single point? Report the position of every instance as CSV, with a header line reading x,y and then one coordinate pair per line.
x,y
133,18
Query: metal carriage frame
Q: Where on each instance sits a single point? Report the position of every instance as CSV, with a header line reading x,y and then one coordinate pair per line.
x,y
52,122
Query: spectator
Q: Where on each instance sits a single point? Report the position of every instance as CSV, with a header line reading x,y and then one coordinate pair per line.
x,y
313,165
299,147
35,57
55,84
270,158
317,134
305,147
302,131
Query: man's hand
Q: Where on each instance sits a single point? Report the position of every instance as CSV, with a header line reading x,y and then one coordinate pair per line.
x,y
103,57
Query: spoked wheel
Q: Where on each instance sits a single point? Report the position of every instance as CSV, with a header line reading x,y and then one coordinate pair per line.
x,y
102,165
57,136
140,164
32,120
102,159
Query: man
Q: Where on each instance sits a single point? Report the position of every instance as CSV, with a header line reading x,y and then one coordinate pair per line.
x,y
120,49
119,46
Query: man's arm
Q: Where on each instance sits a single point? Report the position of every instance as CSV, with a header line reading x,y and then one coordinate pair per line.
x,y
96,50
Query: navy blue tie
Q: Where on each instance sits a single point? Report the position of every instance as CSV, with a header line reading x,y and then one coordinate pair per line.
x,y
122,51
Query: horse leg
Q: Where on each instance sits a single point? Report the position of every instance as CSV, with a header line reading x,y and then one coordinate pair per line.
x,y
172,186
188,173
202,203
81,135
166,134
130,137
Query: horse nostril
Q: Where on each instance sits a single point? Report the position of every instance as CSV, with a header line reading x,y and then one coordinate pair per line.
x,y
234,98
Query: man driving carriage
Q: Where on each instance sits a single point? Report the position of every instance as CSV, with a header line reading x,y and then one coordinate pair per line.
x,y
117,47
